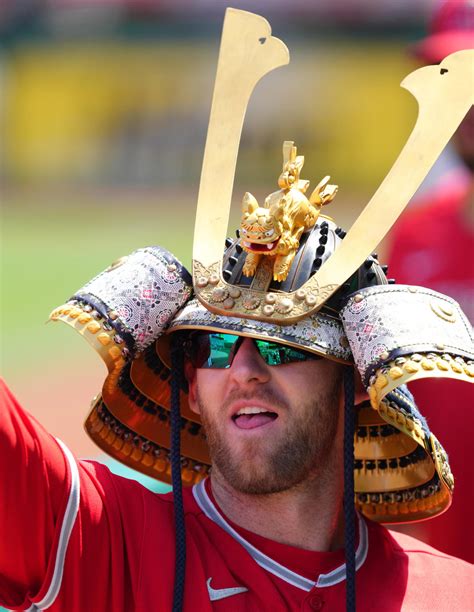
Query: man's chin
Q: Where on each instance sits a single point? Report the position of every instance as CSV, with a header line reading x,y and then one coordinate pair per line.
x,y
252,477
255,486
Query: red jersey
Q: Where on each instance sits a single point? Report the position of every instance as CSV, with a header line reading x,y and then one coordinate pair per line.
x,y
434,247
76,537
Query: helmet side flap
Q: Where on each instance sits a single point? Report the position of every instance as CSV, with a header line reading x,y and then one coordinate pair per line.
x,y
128,306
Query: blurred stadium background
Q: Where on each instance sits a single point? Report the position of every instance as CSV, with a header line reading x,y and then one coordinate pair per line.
x,y
103,112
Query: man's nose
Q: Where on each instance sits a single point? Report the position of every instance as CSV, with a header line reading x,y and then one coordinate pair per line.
x,y
248,365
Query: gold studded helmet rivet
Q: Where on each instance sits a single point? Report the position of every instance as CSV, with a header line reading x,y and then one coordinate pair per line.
x,y
270,298
469,370
214,279
202,281
300,294
456,367
310,300
395,372
268,309
234,292
411,366
228,303
251,302
442,365
444,311
284,306
219,294
427,364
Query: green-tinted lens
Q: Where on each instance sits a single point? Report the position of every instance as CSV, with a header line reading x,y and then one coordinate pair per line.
x,y
222,348
217,350
278,354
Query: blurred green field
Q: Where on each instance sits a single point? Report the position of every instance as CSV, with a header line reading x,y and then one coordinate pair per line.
x,y
51,248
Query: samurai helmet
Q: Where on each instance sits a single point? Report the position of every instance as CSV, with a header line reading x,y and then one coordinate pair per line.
x,y
292,276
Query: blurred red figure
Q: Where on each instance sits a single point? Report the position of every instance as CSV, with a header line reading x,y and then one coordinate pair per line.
x,y
433,245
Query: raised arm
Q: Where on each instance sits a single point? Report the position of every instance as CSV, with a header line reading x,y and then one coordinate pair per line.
x,y
39,488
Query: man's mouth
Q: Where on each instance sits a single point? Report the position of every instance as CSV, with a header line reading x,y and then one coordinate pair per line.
x,y
258,247
251,417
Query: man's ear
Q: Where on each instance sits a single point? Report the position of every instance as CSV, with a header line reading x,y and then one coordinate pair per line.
x,y
190,374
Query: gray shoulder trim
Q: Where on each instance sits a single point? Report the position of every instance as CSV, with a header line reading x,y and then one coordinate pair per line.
x,y
69,519
339,574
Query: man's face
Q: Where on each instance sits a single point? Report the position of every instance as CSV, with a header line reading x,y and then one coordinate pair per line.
x,y
269,428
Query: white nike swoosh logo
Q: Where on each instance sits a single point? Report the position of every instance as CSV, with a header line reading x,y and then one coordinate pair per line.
x,y
216,594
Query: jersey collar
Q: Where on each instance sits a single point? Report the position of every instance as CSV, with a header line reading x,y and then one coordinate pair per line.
x,y
325,580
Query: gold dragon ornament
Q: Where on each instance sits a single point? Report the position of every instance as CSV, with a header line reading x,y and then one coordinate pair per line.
x,y
275,229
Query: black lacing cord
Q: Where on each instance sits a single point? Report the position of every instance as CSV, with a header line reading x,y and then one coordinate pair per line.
x,y
349,510
175,455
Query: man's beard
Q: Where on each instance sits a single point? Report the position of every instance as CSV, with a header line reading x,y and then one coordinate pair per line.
x,y
303,451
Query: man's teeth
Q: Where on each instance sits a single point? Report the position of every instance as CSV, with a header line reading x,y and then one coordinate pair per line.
x,y
250,410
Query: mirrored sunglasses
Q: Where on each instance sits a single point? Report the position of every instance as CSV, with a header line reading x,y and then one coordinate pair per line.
x,y
217,350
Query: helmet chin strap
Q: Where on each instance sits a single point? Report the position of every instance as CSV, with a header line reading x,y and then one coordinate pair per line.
x,y
349,510
177,381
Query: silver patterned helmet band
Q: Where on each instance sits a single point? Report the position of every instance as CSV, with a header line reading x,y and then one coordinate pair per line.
x,y
321,333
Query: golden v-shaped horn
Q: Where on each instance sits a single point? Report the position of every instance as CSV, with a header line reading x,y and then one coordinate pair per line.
x,y
248,52
444,94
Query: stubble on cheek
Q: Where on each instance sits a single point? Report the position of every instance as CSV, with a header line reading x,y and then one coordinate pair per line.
x,y
280,461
